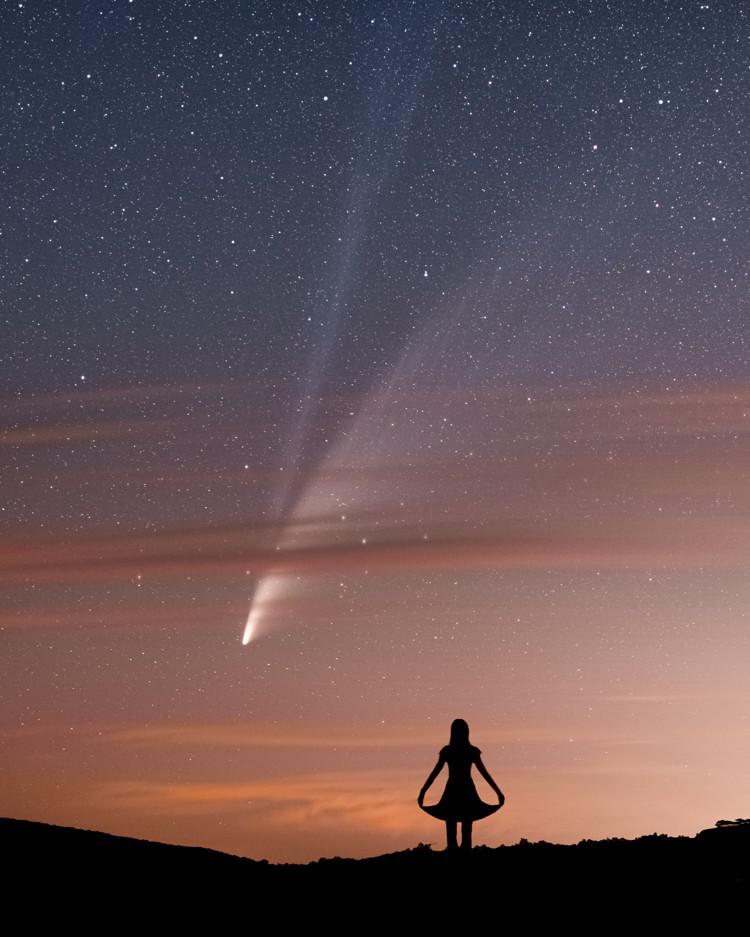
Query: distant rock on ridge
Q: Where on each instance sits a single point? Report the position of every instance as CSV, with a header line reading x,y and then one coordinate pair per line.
x,y
726,830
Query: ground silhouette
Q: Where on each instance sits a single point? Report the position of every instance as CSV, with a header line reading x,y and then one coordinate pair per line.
x,y
99,874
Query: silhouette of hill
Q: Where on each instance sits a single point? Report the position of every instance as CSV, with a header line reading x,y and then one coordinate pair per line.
x,y
117,872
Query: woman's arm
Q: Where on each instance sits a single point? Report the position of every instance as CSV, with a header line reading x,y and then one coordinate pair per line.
x,y
488,778
433,774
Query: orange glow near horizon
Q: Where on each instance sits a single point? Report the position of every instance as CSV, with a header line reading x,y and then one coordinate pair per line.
x,y
297,807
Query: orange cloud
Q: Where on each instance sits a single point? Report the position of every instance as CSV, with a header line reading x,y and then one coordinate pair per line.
x,y
212,555
232,735
81,432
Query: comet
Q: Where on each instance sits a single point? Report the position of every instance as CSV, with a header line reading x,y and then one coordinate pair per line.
x,y
254,612
365,187
380,418
247,634
268,591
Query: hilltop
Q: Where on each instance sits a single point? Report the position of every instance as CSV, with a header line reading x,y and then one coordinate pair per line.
x,y
648,869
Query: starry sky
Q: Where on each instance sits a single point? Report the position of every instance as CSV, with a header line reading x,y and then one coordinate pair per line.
x,y
364,366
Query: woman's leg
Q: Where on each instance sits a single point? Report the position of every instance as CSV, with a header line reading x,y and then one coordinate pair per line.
x,y
466,834
450,831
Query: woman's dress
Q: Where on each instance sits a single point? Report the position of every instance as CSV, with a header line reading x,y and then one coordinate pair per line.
x,y
460,800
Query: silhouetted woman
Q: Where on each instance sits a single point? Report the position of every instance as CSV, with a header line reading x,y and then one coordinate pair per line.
x,y
460,800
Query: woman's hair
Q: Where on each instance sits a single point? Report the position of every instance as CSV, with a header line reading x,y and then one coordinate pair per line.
x,y
459,732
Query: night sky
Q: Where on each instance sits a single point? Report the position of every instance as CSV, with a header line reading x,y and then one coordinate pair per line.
x,y
364,366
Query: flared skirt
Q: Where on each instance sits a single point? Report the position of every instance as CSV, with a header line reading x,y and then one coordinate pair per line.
x,y
460,801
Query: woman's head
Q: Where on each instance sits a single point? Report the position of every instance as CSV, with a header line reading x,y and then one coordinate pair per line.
x,y
459,732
